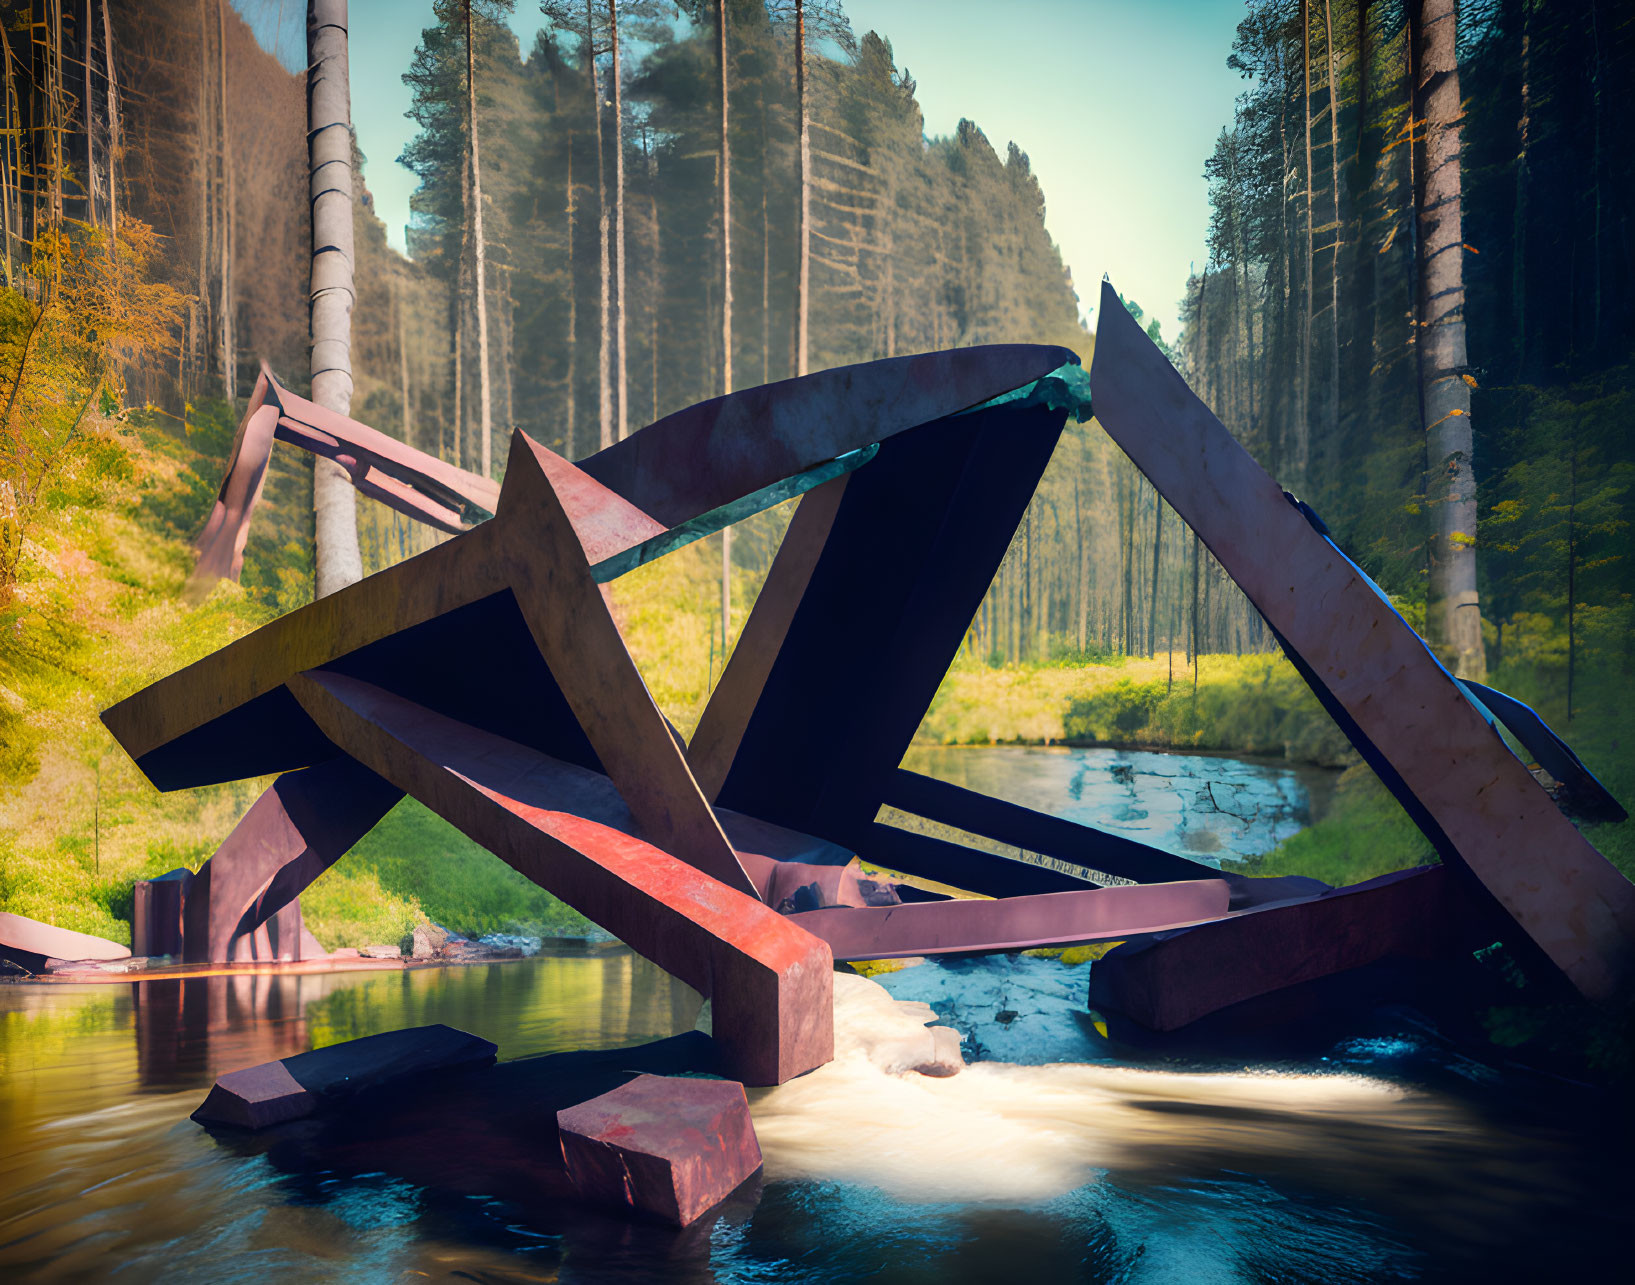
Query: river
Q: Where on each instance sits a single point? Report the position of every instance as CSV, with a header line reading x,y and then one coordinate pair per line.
x,y
1388,1154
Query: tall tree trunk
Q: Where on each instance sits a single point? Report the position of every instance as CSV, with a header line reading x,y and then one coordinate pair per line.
x,y
655,293
1518,227
1192,631
113,126
1157,552
803,231
766,253
329,153
570,443
406,420
1081,581
1572,564
604,388
1334,254
621,381
1302,447
206,223
725,175
1453,612
229,362
90,123
9,167
1127,499
485,395
1595,112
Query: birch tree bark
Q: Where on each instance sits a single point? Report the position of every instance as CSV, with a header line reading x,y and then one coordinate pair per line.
x,y
329,155
1453,611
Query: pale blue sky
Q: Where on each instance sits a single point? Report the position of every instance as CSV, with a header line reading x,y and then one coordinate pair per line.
x,y
1116,102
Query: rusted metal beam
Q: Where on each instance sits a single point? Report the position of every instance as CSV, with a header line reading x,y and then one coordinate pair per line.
x,y
711,453
769,982
1404,712
303,823
1015,923
732,703
1169,981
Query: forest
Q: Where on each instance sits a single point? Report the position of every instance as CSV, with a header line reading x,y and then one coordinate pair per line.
x,y
1414,307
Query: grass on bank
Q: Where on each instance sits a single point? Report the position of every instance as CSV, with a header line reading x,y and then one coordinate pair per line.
x,y
97,614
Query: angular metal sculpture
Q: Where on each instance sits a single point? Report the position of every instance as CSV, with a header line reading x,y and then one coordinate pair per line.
x,y
549,749
377,680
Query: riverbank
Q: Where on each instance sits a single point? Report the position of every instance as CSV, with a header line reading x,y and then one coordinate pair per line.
x,y
1250,705
1257,705
97,613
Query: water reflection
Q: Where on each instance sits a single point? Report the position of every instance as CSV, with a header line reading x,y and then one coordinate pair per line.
x,y
1078,1172
1205,806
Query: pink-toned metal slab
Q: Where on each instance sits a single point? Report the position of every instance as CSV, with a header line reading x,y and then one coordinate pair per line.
x,y
668,1146
1015,923
770,983
1172,980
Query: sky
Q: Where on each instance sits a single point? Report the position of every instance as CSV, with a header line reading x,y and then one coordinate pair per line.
x,y
1116,102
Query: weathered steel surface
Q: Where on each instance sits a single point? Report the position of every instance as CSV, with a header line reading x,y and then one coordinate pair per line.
x,y
668,1146
1452,772
226,716
365,446
300,826
259,1096
604,522
973,869
714,452
770,982
410,481
730,706
1168,981
913,545
221,544
1015,923
156,913
549,574
1038,832
32,943
1585,795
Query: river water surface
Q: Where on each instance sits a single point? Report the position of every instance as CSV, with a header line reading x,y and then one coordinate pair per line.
x,y
1387,1155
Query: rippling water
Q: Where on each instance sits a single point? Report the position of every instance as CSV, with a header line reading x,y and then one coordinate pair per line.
x,y
1204,806
1389,1155
1394,1158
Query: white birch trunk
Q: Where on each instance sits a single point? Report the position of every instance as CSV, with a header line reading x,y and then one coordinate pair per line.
x,y
329,153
